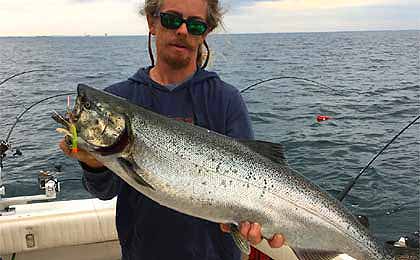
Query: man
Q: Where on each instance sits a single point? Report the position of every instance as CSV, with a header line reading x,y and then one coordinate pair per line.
x,y
177,87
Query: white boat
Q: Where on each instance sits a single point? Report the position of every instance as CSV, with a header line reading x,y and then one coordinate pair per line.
x,y
76,229
68,230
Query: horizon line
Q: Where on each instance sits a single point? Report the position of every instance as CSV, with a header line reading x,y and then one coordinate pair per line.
x,y
215,33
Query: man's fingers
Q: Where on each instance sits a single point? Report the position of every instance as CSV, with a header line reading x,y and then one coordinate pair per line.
x,y
254,234
63,146
225,228
81,155
276,241
251,232
244,228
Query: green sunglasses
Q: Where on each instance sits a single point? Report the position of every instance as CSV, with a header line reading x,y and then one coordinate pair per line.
x,y
173,21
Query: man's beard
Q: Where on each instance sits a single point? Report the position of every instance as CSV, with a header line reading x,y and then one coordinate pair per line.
x,y
177,62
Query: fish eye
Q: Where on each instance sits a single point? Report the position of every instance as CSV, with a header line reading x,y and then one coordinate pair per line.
x,y
87,105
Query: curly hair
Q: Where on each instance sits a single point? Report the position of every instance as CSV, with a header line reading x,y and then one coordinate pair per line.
x,y
214,19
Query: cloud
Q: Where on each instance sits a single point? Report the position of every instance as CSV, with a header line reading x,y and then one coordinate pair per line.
x,y
98,1
83,1
314,4
79,17
69,17
323,15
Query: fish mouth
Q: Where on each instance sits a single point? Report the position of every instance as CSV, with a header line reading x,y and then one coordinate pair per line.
x,y
107,136
65,121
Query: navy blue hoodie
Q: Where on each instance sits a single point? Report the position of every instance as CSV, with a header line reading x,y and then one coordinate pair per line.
x,y
146,229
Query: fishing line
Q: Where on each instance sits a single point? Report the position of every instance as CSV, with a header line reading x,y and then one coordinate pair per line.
x,y
4,144
351,183
20,73
285,77
30,107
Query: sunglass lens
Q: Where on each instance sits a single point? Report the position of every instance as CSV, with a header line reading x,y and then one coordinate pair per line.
x,y
197,27
173,21
170,21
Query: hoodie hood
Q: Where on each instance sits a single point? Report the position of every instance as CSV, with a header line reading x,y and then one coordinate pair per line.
x,y
142,77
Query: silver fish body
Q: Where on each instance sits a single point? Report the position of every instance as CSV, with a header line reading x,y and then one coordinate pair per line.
x,y
207,175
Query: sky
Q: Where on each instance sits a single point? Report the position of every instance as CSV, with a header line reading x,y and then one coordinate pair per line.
x,y
120,17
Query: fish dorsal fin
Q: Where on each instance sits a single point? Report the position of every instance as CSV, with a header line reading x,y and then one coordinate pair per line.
x,y
272,151
314,254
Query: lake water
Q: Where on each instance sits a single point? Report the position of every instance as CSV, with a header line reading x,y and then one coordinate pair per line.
x,y
373,92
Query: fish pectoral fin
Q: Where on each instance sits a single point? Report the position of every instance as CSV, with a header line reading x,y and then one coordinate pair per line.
x,y
314,254
241,242
133,171
272,151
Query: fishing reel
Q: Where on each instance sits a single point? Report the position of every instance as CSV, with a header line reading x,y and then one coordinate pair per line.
x,y
48,182
407,247
4,146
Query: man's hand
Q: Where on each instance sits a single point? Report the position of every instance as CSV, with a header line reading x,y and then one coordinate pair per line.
x,y
81,155
252,233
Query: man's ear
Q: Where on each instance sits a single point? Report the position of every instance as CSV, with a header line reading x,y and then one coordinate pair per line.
x,y
151,22
204,36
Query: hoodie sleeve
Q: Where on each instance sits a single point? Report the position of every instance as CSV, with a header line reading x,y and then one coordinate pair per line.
x,y
102,183
238,123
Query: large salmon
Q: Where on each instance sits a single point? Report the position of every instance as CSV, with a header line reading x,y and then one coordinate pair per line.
x,y
208,175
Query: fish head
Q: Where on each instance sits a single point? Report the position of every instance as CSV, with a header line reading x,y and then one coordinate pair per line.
x,y
96,123
99,125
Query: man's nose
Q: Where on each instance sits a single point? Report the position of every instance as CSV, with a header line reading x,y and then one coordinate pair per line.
x,y
182,30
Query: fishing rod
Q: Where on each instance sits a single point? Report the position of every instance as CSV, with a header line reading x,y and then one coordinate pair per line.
x,y
30,107
4,144
351,183
20,73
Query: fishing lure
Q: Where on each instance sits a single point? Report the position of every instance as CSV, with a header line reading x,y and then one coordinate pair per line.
x,y
73,138
322,118
72,129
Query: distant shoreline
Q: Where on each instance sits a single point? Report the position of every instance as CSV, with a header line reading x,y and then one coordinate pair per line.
x,y
216,33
